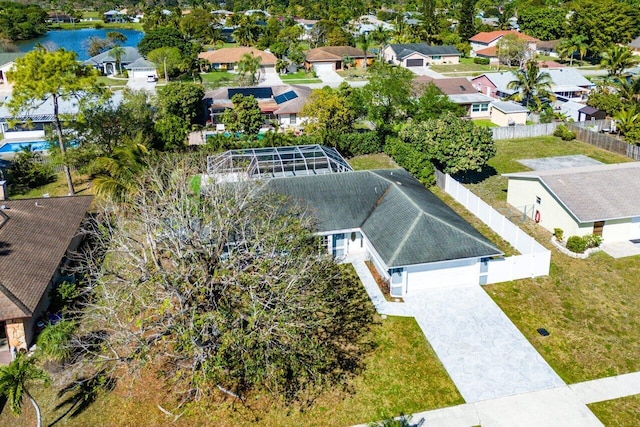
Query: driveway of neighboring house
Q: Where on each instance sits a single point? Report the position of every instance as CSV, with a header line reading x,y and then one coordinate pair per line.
x,y
141,84
426,71
485,354
270,79
329,77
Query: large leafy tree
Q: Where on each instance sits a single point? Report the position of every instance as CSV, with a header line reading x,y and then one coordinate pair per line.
x,y
433,103
452,144
169,60
331,112
224,289
245,116
387,97
182,99
166,37
512,50
14,379
40,76
21,21
616,59
531,86
603,22
544,23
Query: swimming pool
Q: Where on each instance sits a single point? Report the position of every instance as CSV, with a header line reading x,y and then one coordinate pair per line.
x,y
14,147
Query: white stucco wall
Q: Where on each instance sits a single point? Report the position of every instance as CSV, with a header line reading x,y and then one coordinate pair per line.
x,y
502,119
447,273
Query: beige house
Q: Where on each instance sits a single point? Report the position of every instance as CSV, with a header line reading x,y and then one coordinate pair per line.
x,y
35,236
508,113
602,200
411,55
332,58
227,58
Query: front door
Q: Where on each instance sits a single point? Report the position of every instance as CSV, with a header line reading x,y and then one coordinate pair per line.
x,y
597,228
339,245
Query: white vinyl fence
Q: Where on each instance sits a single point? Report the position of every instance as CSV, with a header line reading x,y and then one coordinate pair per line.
x,y
534,259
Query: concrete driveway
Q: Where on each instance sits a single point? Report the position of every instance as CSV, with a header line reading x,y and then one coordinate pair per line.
x,y
329,77
141,84
270,79
484,353
426,71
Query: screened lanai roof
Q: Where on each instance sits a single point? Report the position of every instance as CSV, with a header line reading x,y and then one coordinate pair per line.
x,y
275,162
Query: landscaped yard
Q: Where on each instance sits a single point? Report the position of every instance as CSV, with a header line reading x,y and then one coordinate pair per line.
x,y
354,73
299,77
372,161
112,83
590,307
58,188
402,375
624,412
217,79
466,66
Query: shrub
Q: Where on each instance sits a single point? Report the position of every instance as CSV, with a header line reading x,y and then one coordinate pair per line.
x,y
27,171
559,233
481,61
358,143
563,132
576,244
412,159
592,240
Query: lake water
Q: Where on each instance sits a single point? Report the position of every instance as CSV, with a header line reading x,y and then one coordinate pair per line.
x,y
77,40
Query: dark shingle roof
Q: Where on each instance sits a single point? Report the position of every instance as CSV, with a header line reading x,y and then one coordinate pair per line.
x,y
405,222
129,56
33,241
404,50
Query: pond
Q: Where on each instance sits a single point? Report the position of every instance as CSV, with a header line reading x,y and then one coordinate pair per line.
x,y
78,40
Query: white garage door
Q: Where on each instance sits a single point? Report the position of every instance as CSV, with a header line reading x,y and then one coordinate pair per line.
x,y
323,66
440,275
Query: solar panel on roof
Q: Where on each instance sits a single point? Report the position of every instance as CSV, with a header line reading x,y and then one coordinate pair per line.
x,y
287,96
257,92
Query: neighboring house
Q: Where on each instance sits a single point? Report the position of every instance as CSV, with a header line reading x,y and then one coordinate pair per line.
x,y
548,47
277,103
367,23
508,113
115,16
7,60
419,54
107,64
31,126
461,91
588,113
35,237
227,58
60,18
141,69
602,200
413,238
567,84
332,57
482,41
307,25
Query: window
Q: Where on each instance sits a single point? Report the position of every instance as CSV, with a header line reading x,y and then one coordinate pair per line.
x,y
436,57
479,107
538,200
293,119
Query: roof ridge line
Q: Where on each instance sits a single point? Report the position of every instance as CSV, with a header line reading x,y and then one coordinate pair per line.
x,y
15,300
430,215
404,240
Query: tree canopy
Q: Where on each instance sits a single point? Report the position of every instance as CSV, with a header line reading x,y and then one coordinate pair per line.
x,y
21,21
228,290
245,116
330,112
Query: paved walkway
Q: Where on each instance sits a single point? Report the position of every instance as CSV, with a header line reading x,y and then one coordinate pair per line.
x,y
620,249
484,353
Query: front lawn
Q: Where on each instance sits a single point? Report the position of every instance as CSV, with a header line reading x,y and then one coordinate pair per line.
x,y
465,66
215,79
403,375
623,412
300,77
484,123
590,307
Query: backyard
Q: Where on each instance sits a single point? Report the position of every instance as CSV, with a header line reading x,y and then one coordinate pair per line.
x,y
402,375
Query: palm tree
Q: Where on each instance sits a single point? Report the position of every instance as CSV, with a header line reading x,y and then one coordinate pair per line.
x,y
531,85
629,90
13,380
616,59
627,119
365,43
568,47
249,65
380,36
117,53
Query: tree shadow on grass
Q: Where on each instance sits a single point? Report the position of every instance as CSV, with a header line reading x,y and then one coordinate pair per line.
x,y
473,177
81,393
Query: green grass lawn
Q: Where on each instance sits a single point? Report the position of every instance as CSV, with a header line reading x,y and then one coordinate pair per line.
x,y
624,412
466,65
484,123
217,79
299,77
590,307
354,73
82,185
112,83
372,161
97,24
402,375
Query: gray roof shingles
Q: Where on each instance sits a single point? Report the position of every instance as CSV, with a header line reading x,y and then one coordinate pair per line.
x,y
404,50
33,241
594,193
405,223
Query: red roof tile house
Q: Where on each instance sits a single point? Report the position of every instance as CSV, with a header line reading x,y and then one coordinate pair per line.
x,y
485,44
332,57
35,237
227,58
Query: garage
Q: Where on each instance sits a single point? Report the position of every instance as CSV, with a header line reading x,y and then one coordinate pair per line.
x,y
320,67
415,62
436,275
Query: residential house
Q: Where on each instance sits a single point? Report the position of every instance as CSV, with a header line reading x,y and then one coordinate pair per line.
x,y
7,60
106,61
508,113
142,69
548,47
36,235
307,26
419,54
603,200
115,16
635,45
567,84
485,43
227,58
280,104
460,91
332,57
60,18
413,238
